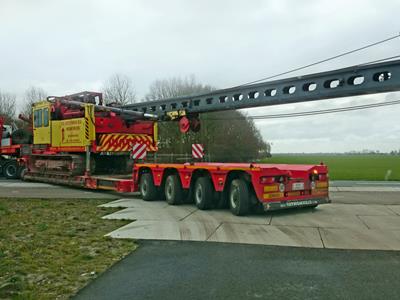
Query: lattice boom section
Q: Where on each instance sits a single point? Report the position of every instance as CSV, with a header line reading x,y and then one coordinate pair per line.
x,y
124,142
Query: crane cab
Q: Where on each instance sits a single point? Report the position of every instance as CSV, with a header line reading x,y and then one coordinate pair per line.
x,y
41,123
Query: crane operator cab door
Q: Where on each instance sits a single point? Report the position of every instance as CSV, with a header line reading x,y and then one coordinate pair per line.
x,y
41,123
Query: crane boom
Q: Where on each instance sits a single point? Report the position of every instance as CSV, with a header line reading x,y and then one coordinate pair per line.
x,y
351,81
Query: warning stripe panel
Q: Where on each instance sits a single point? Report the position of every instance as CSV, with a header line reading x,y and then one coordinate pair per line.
x,y
139,151
197,151
123,142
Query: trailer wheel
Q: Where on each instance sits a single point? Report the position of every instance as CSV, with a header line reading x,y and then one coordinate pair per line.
x,y
22,172
203,193
11,170
221,199
148,190
239,197
173,190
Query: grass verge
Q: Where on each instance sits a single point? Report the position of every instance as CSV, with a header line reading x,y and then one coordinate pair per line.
x,y
349,167
49,249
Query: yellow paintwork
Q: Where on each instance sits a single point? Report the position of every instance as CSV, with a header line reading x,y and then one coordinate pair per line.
x,y
69,133
176,114
77,132
90,129
155,133
271,188
319,192
323,184
41,129
273,195
291,194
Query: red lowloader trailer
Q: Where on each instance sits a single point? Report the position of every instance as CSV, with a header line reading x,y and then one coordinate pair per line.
x,y
240,186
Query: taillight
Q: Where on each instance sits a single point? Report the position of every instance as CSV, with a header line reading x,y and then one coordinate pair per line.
x,y
267,180
272,179
323,177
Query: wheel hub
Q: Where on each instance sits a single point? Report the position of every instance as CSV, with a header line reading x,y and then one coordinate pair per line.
x,y
169,190
234,197
144,188
198,195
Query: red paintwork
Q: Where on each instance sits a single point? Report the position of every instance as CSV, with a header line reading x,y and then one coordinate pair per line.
x,y
10,150
105,122
220,171
111,123
1,127
117,125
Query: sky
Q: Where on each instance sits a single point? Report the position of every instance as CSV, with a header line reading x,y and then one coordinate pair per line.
x,y
74,45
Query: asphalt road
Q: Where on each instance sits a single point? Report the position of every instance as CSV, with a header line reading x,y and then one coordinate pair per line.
x,y
198,270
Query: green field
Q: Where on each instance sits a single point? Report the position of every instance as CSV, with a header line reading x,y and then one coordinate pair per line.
x,y
348,167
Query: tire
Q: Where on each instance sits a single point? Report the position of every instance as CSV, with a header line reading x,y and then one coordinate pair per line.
x,y
221,199
10,170
22,171
148,190
239,199
173,190
203,193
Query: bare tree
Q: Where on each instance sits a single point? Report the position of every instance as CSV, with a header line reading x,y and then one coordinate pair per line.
x,y
227,135
7,106
119,89
174,87
31,96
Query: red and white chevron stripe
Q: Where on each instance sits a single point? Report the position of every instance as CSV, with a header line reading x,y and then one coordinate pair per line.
x,y
139,151
197,150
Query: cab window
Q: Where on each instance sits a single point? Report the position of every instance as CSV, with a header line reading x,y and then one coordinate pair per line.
x,y
37,118
45,117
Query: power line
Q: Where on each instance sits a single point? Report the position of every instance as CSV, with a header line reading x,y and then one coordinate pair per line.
x,y
324,60
316,112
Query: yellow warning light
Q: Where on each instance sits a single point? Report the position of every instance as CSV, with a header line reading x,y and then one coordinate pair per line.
x,y
315,171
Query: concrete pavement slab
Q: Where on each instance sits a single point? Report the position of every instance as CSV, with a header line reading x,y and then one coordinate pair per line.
x,y
156,213
372,239
355,209
316,218
395,209
267,235
135,202
225,216
167,230
352,226
382,222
